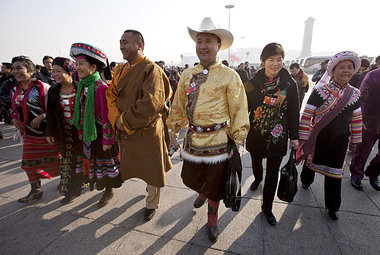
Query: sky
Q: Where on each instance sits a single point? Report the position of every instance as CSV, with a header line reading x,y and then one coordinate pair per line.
x,y
39,27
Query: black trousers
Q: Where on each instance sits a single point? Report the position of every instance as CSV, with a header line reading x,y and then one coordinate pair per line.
x,y
332,188
271,178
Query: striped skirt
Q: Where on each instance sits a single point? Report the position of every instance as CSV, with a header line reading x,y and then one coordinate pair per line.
x,y
39,159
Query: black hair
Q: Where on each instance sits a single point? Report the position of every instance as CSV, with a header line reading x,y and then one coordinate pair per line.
x,y
28,64
137,35
100,66
7,65
46,57
271,50
296,65
365,63
113,64
377,60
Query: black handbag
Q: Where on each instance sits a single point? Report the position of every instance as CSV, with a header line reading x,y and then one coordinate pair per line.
x,y
232,188
287,187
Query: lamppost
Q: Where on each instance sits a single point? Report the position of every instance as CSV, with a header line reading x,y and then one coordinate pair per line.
x,y
229,7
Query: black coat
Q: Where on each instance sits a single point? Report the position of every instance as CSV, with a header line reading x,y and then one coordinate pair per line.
x,y
55,123
288,115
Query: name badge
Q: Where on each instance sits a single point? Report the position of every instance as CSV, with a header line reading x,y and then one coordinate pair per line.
x,y
65,101
190,88
269,100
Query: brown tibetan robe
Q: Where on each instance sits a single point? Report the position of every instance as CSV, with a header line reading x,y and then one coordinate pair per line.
x,y
142,95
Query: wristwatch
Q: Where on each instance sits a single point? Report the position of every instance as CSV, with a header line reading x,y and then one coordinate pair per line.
x,y
44,114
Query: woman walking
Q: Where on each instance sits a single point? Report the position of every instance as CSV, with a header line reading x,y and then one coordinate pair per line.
x,y
274,117
100,152
331,116
60,128
39,158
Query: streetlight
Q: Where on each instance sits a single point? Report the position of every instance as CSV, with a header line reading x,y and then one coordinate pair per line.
x,y
229,7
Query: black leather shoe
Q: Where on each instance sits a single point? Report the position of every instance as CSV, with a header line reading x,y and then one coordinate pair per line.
x,y
254,185
213,233
149,213
375,183
357,184
199,202
305,186
270,218
333,215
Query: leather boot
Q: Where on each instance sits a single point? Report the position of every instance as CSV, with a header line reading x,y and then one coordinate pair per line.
x,y
201,199
35,192
212,220
107,196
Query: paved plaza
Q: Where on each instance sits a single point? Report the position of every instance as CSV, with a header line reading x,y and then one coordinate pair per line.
x,y
48,227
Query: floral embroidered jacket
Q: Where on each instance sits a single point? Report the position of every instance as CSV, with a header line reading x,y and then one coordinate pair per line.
x,y
274,114
209,99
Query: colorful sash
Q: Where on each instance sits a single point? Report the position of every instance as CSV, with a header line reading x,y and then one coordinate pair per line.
x,y
308,146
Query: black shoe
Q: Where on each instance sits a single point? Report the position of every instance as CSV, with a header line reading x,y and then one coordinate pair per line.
x,y
149,213
199,202
270,218
35,193
333,215
107,196
213,233
375,183
305,186
67,199
357,184
254,185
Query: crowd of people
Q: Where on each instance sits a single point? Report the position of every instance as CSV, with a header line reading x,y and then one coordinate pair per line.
x,y
97,125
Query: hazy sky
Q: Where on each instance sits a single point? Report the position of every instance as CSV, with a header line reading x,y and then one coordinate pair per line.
x,y
39,27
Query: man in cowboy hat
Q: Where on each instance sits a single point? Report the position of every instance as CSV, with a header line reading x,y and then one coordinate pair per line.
x,y
211,100
137,100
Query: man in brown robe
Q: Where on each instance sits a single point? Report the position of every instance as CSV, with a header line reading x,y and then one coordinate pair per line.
x,y
137,109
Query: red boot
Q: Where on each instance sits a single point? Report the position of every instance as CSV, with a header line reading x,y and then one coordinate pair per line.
x,y
212,227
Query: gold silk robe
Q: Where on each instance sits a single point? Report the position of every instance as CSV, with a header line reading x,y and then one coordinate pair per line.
x,y
208,98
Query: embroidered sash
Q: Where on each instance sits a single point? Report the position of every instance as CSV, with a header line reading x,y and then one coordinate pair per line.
x,y
309,145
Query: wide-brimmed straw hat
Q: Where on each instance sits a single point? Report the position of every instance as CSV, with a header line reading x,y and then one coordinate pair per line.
x,y
207,26
341,56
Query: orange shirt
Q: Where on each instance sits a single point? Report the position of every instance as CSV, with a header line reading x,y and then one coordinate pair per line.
x,y
111,93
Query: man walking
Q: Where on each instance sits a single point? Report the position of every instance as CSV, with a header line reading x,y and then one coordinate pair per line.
x,y
301,79
211,100
370,94
137,100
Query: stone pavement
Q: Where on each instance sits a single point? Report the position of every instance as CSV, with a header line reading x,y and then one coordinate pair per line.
x,y
47,227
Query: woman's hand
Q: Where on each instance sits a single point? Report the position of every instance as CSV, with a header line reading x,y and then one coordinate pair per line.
x,y
106,147
36,122
50,140
295,144
18,126
80,136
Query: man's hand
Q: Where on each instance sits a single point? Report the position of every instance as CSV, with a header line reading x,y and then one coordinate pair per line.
x,y
173,142
36,122
295,144
119,125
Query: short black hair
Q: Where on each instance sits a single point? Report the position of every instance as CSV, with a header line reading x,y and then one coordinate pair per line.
x,y
377,60
46,57
365,63
296,65
28,64
137,35
272,49
7,65
113,64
